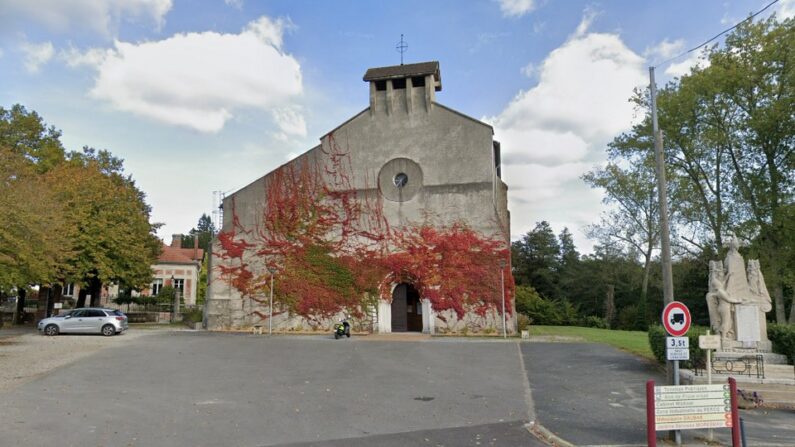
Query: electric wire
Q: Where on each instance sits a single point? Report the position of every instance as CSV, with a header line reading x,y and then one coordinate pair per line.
x,y
717,35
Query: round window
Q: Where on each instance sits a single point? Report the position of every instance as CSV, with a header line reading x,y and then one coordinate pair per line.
x,y
401,180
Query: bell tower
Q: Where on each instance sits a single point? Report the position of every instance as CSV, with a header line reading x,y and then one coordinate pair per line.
x,y
407,89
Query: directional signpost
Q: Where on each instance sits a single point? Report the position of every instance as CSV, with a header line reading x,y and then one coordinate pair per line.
x,y
685,407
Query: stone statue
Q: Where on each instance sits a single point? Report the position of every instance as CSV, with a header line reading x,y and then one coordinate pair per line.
x,y
719,302
737,301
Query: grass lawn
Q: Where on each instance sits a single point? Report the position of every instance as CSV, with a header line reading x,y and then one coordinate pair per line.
x,y
636,342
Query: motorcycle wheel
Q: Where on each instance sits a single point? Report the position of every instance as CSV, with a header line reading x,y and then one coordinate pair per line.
x,y
336,336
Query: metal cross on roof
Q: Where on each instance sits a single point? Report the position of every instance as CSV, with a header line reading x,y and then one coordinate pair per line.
x,y
401,48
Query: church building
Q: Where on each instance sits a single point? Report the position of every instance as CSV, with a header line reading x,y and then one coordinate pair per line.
x,y
396,220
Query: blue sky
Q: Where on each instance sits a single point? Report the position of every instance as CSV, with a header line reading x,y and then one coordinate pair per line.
x,y
199,96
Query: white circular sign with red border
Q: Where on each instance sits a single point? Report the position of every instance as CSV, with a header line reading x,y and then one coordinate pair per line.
x,y
676,319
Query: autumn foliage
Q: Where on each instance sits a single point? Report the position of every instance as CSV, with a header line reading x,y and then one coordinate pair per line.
x,y
333,251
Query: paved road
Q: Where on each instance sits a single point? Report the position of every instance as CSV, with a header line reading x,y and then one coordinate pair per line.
x,y
592,394
196,389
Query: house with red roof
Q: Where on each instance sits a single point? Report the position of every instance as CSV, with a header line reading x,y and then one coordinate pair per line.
x,y
178,267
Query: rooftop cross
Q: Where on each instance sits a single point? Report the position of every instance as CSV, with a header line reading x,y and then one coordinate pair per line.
x,y
401,48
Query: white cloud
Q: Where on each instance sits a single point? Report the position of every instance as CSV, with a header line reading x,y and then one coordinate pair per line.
x,y
102,16
234,3
683,67
36,55
199,80
529,70
557,130
1,52
786,9
516,8
664,50
290,121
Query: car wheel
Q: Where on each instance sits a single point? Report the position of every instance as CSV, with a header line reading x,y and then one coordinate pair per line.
x,y
108,330
51,330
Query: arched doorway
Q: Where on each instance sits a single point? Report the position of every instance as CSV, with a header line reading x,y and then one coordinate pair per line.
x,y
406,309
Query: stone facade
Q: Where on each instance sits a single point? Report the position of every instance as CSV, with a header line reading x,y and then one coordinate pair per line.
x,y
421,161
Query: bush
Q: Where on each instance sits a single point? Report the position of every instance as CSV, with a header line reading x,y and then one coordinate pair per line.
x,y
193,315
123,299
144,300
543,311
783,338
628,318
522,322
166,295
594,321
657,337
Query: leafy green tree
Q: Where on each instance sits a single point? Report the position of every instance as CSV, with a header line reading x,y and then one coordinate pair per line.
x,y
205,231
115,242
71,216
633,219
26,134
536,262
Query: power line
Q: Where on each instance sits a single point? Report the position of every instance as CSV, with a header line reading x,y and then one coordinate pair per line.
x,y
719,34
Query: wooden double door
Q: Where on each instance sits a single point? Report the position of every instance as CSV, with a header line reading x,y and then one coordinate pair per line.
x,y
406,309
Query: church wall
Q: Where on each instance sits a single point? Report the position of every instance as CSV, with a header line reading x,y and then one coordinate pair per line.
x,y
459,184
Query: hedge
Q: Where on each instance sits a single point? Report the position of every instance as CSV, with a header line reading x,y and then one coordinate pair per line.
x,y
783,338
657,343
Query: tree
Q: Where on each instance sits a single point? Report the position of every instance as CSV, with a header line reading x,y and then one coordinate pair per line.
x,y
26,134
69,216
729,136
536,260
205,231
634,218
115,243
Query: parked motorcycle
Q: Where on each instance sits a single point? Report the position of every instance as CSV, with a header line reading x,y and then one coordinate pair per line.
x,y
342,329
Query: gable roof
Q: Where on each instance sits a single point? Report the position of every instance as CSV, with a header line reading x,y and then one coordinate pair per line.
x,y
404,71
172,255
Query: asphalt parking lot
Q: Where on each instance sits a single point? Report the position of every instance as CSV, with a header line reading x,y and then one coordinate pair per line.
x,y
195,389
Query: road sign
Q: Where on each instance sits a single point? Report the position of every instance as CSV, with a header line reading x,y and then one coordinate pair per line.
x,y
676,318
692,406
709,341
677,348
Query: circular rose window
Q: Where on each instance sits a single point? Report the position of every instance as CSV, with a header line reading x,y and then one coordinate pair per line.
x,y
400,179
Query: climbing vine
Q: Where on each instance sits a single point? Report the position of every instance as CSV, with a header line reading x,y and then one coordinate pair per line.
x,y
333,251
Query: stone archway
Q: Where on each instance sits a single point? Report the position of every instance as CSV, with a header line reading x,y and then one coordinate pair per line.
x,y
406,309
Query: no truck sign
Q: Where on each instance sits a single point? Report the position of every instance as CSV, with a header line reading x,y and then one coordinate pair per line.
x,y
676,319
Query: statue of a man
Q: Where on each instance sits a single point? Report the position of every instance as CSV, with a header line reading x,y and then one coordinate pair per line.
x,y
719,301
759,295
736,283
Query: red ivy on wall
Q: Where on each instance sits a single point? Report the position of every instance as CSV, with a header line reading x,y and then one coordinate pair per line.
x,y
334,251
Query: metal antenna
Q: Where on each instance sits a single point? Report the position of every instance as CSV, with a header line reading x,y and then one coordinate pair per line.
x,y
401,48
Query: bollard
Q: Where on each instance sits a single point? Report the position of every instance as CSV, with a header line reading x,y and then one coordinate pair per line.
x,y
742,432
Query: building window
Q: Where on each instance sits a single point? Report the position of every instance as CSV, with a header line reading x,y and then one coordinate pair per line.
x,y
401,180
179,284
399,84
68,289
157,284
380,86
418,81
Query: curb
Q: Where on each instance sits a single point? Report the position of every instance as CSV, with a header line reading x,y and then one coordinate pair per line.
x,y
542,433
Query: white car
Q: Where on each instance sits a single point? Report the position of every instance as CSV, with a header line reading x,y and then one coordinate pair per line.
x,y
88,320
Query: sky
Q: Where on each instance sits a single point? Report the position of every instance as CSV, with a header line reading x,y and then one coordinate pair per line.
x,y
203,96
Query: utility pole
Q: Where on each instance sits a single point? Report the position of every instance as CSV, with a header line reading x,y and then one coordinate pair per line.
x,y
671,367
